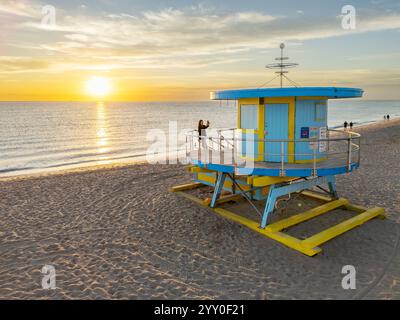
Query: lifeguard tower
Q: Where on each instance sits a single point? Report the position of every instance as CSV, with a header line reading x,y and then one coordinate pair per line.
x,y
282,146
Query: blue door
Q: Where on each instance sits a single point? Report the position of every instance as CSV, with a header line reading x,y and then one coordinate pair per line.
x,y
276,128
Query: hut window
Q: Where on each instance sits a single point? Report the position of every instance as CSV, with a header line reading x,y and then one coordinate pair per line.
x,y
249,116
320,111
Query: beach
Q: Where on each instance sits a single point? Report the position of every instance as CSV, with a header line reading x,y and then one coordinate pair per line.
x,y
117,232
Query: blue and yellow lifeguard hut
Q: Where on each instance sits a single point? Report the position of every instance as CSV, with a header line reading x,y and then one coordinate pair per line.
x,y
282,145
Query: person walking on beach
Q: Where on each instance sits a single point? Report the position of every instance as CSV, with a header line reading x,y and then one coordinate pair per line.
x,y
202,132
345,125
384,118
351,125
388,117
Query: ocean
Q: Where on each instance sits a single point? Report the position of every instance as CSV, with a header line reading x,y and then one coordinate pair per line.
x,y
48,136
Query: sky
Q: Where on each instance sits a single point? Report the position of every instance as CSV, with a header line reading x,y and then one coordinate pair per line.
x,y
181,49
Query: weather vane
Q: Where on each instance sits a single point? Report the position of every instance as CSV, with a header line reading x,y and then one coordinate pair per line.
x,y
282,65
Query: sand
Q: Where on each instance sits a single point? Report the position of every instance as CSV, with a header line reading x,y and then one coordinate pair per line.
x,y
118,233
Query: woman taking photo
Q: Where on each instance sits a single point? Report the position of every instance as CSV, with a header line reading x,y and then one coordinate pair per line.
x,y
202,132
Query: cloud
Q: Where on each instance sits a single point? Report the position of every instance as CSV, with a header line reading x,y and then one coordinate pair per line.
x,y
164,38
191,37
18,8
172,31
77,37
10,64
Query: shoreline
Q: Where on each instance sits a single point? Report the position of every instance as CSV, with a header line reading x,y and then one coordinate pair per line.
x,y
372,123
392,122
45,172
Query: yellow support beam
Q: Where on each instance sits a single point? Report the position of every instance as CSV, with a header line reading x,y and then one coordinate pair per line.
x,y
196,169
191,197
308,246
356,208
317,195
308,215
266,181
340,228
232,197
228,183
187,186
283,238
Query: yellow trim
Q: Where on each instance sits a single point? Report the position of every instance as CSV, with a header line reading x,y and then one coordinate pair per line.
x,y
311,161
266,181
261,129
212,175
212,179
239,124
292,128
312,98
207,178
260,126
248,101
198,169
278,100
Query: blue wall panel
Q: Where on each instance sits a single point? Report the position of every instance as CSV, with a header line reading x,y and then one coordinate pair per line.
x,y
311,116
276,128
249,116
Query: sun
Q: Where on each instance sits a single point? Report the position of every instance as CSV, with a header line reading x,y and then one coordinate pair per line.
x,y
98,87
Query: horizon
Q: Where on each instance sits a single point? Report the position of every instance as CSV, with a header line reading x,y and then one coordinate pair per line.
x,y
182,50
177,101
172,101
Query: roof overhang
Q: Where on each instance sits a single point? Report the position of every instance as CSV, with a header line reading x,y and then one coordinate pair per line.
x,y
328,92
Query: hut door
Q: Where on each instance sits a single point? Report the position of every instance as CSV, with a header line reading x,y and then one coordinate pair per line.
x,y
276,128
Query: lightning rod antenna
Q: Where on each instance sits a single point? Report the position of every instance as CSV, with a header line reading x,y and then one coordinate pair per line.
x,y
282,65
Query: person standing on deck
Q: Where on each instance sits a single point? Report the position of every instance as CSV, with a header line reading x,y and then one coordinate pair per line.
x,y
345,125
202,132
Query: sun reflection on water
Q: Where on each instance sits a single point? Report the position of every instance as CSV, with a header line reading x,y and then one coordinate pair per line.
x,y
102,141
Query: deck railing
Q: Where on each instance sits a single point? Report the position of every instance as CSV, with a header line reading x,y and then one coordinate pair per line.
x,y
225,146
